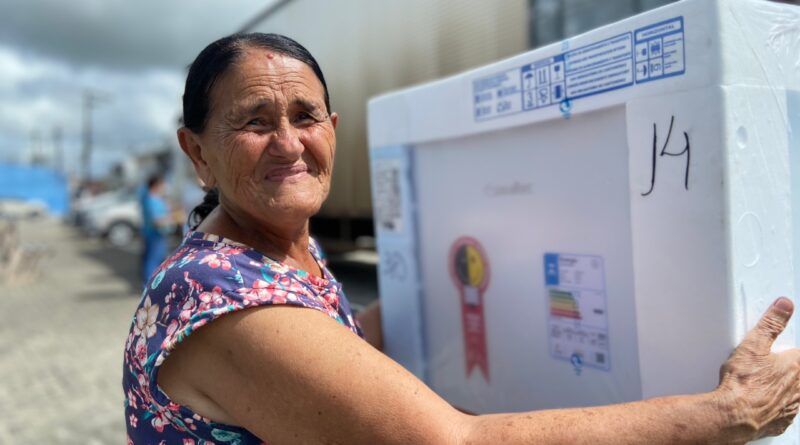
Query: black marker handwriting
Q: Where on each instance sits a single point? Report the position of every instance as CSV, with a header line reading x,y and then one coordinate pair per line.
x,y
686,151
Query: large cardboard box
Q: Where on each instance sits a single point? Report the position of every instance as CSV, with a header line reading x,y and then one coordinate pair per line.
x,y
596,221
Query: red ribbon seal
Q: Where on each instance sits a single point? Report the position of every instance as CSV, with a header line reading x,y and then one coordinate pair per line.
x,y
469,270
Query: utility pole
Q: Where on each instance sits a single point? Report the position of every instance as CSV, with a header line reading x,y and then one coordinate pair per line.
x,y
90,100
58,149
36,155
86,152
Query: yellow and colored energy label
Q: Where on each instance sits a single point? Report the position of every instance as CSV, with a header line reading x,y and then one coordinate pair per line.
x,y
563,304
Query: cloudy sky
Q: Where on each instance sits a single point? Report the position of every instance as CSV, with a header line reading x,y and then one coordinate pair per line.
x,y
132,54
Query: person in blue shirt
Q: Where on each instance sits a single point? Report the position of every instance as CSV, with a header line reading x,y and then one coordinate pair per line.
x,y
155,225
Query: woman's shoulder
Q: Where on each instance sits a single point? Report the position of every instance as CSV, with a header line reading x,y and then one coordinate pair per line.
x,y
206,263
203,262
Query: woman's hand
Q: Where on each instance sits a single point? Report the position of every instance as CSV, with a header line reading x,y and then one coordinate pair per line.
x,y
762,388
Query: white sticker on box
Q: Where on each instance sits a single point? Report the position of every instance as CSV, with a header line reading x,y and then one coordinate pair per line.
x,y
649,53
576,309
388,197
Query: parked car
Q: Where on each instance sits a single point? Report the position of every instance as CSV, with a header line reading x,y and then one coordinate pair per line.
x,y
116,218
16,209
84,204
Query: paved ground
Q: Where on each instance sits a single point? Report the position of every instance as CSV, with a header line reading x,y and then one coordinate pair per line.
x,y
61,338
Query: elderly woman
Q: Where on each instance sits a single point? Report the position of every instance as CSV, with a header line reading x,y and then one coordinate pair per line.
x,y
244,337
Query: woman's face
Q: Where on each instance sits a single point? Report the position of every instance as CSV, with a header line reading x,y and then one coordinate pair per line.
x,y
269,142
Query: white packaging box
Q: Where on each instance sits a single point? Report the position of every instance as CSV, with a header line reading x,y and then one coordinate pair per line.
x,y
596,221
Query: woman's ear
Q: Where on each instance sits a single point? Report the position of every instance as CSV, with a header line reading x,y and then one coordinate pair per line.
x,y
190,144
335,119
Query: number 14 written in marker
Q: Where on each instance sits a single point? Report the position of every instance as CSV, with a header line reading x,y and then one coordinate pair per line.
x,y
687,151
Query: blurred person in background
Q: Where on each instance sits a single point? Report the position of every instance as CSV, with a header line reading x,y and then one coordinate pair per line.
x,y
156,225
243,336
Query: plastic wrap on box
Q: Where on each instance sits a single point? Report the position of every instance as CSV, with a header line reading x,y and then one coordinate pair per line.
x,y
596,221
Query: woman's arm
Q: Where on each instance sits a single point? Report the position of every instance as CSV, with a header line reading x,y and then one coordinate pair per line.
x,y
294,375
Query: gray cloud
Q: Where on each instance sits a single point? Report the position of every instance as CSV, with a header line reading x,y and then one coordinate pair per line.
x,y
133,52
121,34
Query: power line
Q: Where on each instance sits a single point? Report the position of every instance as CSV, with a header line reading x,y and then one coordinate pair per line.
x,y
90,100
268,11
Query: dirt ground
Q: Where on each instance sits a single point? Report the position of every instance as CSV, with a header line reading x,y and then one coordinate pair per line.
x,y
62,331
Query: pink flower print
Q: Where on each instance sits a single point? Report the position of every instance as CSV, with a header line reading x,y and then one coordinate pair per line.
x,y
173,326
193,284
143,382
146,318
188,309
188,442
261,291
159,420
141,350
214,297
215,261
279,296
229,251
189,422
331,298
199,323
131,399
129,342
171,406
133,420
169,340
130,442
278,268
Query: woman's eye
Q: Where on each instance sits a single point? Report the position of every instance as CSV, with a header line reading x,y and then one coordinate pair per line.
x,y
303,117
257,124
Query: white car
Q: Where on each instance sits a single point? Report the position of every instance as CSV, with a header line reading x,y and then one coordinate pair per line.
x,y
118,220
15,209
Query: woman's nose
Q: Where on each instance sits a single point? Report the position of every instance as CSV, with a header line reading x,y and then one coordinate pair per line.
x,y
285,143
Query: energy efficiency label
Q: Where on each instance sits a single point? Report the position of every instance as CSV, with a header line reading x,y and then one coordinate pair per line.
x,y
577,319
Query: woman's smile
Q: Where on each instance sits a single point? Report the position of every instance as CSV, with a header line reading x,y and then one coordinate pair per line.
x,y
287,173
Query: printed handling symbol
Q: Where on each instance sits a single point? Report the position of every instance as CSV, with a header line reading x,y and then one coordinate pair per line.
x,y
528,82
565,106
557,93
577,363
655,48
543,95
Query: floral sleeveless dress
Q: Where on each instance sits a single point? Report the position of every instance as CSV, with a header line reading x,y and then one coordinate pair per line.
x,y
208,276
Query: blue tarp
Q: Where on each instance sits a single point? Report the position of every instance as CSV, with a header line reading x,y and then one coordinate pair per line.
x,y
33,183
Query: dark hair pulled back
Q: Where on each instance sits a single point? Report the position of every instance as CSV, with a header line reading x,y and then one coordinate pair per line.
x,y
210,64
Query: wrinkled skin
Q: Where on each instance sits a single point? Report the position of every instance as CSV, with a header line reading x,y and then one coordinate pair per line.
x,y
763,386
268,146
